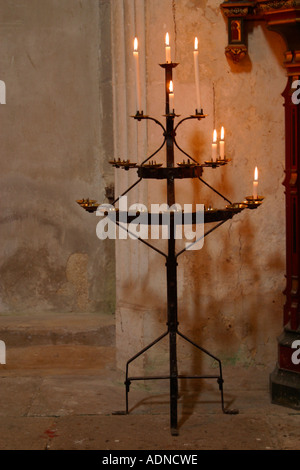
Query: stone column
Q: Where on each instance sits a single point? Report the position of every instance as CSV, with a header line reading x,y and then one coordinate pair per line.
x,y
132,257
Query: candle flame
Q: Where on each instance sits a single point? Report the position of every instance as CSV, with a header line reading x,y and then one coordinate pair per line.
x,y
256,174
167,40
135,44
215,136
171,88
222,133
196,44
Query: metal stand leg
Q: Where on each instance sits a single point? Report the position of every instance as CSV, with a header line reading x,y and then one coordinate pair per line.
x,y
128,379
173,377
219,378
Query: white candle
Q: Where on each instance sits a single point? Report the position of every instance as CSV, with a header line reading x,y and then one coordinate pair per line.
x,y
197,79
255,183
137,74
214,146
222,144
171,97
168,49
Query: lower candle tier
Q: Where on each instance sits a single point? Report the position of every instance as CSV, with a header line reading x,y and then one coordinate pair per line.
x,y
148,218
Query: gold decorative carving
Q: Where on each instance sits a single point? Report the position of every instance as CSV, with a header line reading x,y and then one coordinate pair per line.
x,y
263,7
235,11
236,53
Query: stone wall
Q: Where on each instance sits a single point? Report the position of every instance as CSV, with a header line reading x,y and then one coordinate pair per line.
x,y
56,140
230,291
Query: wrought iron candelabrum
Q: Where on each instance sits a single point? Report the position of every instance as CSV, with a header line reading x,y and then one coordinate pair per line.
x,y
189,168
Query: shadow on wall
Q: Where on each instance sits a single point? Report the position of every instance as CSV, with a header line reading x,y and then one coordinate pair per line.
x,y
228,313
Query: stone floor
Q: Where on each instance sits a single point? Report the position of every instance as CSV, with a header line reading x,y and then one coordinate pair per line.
x,y
60,390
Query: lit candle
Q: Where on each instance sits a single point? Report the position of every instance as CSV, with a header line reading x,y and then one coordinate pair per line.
x,y
137,74
222,144
214,146
255,183
171,97
197,79
168,49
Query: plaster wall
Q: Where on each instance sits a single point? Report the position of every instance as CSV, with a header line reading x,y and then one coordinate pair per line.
x,y
56,139
230,292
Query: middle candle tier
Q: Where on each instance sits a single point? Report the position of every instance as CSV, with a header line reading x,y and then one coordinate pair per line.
x,y
149,172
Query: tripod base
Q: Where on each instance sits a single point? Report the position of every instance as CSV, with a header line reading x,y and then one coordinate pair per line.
x,y
173,378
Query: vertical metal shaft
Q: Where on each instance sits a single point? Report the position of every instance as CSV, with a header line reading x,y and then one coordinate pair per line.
x,y
171,263
172,325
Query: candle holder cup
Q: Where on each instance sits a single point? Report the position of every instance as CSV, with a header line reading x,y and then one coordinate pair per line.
x,y
139,115
199,114
253,202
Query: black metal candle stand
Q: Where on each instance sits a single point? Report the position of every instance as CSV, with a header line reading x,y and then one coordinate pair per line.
x,y
189,168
